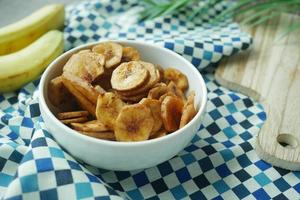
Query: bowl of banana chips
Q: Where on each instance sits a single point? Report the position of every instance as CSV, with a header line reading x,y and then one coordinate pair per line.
x,y
122,105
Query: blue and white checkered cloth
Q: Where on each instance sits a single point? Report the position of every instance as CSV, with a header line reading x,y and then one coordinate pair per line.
x,y
219,163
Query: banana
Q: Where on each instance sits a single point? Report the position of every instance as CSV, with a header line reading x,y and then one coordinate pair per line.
x,y
134,123
180,80
27,64
112,52
171,111
86,65
129,76
189,110
130,54
108,108
22,33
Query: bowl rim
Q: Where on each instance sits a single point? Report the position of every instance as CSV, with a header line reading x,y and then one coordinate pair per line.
x,y
75,133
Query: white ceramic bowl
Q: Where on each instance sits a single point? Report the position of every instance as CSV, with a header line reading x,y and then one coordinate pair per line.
x,y
125,155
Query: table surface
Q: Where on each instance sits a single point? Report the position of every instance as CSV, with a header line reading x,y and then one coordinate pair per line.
x,y
14,10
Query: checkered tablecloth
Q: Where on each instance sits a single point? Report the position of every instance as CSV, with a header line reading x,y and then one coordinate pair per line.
x,y
219,163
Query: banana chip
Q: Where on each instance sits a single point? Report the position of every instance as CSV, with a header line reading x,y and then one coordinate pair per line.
x,y
92,126
122,97
162,97
171,111
81,99
134,123
189,110
72,114
174,89
108,108
73,120
130,54
129,76
177,77
158,90
86,65
111,51
153,79
132,99
59,96
155,107
85,88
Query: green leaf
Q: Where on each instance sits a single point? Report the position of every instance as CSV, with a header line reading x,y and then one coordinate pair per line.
x,y
202,9
175,5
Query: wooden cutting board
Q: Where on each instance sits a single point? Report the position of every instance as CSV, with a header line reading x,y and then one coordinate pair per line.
x,y
269,72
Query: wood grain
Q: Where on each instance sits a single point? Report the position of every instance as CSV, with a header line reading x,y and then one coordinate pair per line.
x,y
269,72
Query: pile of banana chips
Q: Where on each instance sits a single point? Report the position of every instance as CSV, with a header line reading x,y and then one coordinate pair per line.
x,y
108,92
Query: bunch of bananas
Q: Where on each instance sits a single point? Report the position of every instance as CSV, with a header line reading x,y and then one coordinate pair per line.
x,y
29,45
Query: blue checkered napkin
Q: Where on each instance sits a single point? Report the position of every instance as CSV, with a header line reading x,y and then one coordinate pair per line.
x,y
219,163
198,41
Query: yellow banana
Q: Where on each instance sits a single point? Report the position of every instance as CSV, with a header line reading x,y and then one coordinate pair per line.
x,y
25,65
22,33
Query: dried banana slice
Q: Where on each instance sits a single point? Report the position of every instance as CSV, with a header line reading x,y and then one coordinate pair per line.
x,y
133,99
171,111
154,73
134,123
154,78
85,88
92,126
155,107
177,77
86,65
173,88
59,95
129,76
74,120
162,97
162,132
108,108
72,114
111,51
158,90
160,72
105,135
81,99
189,110
130,54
